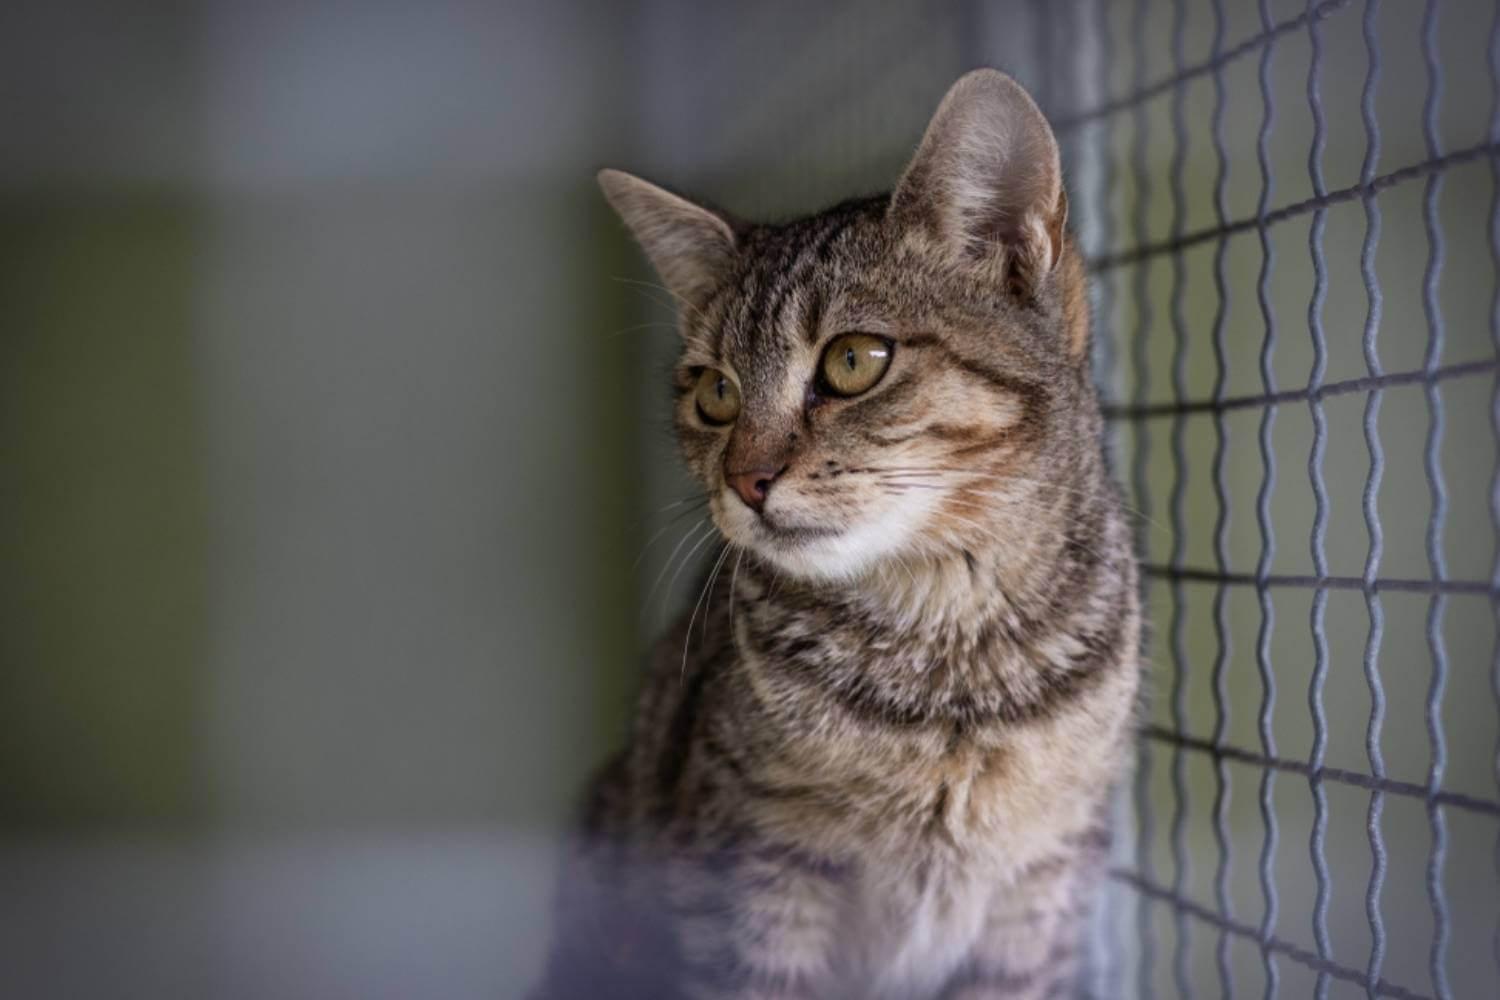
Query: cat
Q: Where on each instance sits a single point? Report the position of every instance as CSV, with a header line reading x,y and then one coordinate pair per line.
x,y
881,770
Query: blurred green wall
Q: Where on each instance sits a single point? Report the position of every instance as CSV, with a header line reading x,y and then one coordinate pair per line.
x,y
319,488
103,586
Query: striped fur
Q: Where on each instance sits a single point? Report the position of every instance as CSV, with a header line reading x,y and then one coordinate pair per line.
x,y
881,768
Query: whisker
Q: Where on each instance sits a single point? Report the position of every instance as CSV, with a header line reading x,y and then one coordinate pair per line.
x,y
1013,517
1008,500
712,578
900,476
694,499
965,475
668,564
688,638
682,564
1006,476
661,531
651,284
672,327
904,484
935,470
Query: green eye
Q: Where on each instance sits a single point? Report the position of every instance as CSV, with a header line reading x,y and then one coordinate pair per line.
x,y
718,398
853,363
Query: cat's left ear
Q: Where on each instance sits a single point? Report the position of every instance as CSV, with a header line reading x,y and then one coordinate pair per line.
x,y
987,180
691,247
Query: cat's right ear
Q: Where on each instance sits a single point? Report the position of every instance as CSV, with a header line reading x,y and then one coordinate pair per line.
x,y
690,247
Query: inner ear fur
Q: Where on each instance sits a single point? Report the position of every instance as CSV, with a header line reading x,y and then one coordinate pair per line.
x,y
691,247
986,181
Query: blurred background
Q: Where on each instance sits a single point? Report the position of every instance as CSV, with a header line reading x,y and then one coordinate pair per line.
x,y
334,453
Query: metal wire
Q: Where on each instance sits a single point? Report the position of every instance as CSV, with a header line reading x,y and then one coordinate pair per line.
x,y
1438,586
1430,167
1494,235
1481,588
1434,468
1264,522
1369,502
1386,380
1143,92
1445,798
1221,526
1106,361
1271,944
1140,473
1318,542
1140,410
1183,945
1106,352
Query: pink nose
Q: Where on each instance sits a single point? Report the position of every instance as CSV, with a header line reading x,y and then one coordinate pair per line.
x,y
753,484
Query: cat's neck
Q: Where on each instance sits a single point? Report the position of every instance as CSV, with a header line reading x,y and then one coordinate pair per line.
x,y
939,592
949,639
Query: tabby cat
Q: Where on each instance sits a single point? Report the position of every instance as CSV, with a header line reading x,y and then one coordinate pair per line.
x,y
881,770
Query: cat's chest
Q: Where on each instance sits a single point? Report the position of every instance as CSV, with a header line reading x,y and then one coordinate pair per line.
x,y
914,926
923,895
906,800
1000,792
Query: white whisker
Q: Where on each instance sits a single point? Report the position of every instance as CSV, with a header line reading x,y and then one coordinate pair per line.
x,y
712,577
900,473
657,535
1005,497
672,556
695,498
707,586
682,564
642,326
651,284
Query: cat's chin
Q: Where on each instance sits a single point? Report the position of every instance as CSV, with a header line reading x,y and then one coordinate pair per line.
x,y
819,549
823,554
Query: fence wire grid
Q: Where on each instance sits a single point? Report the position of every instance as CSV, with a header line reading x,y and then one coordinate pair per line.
x,y
1291,212
1193,591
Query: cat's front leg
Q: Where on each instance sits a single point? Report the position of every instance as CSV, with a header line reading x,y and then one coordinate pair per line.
x,y
763,927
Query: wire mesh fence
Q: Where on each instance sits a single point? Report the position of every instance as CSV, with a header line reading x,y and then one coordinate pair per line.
x,y
1383,232
1292,215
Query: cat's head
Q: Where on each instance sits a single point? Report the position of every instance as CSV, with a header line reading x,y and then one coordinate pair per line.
x,y
895,378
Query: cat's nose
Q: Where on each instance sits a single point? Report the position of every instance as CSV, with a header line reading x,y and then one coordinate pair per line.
x,y
753,484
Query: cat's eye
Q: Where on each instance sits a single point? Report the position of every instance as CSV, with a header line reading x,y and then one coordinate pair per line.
x,y
718,398
853,363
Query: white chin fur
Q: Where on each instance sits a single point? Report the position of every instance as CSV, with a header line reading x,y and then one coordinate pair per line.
x,y
865,542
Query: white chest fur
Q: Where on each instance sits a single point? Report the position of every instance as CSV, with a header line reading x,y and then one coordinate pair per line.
x,y
916,933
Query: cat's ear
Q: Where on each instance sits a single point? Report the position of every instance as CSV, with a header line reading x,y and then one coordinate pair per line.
x,y
690,246
987,180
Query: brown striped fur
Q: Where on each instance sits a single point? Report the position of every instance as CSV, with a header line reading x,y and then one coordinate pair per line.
x,y
881,769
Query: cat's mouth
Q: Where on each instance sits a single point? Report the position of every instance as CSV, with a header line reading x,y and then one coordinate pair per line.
x,y
785,533
809,543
